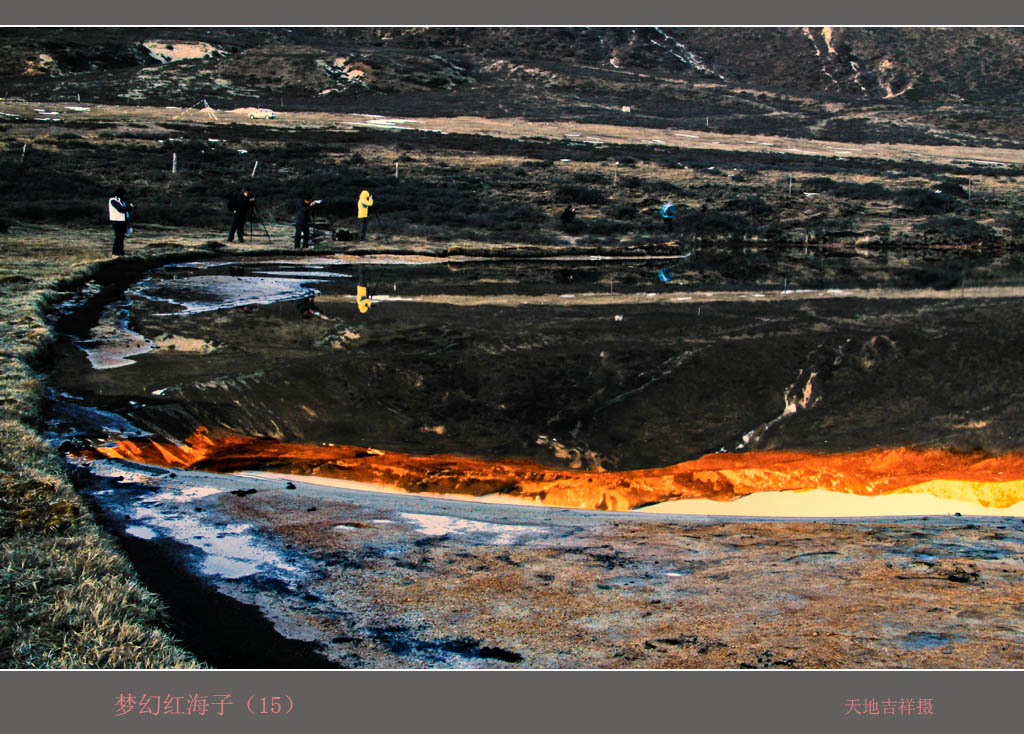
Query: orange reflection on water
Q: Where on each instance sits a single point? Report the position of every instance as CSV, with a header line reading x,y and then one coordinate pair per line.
x,y
987,480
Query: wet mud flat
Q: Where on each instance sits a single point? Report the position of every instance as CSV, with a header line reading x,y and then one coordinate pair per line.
x,y
353,578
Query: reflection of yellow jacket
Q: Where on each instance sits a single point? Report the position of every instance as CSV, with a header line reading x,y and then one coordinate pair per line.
x,y
362,300
365,202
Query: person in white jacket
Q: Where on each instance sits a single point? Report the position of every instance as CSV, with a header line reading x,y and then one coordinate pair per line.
x,y
120,213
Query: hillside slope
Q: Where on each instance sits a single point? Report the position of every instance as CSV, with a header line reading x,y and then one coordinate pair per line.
x,y
734,79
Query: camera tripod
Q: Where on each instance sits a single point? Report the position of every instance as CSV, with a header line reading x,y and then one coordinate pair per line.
x,y
254,214
383,231
315,237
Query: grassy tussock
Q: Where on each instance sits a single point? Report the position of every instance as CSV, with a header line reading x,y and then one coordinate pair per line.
x,y
72,602
70,599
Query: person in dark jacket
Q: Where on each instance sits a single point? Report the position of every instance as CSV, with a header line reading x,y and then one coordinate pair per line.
x,y
241,207
303,215
119,212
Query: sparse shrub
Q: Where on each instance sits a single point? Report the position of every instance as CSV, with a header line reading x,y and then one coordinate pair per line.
x,y
216,155
864,191
772,232
954,187
74,142
62,211
574,227
620,211
573,193
844,189
607,227
755,206
520,213
715,223
926,202
957,229
831,227
591,177
1015,223
818,184
662,189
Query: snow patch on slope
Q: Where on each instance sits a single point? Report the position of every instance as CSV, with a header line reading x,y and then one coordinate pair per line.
x,y
678,50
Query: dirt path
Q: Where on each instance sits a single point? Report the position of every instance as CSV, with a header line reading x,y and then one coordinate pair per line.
x,y
513,128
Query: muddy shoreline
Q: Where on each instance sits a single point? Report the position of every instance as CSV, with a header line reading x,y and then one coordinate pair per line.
x,y
400,581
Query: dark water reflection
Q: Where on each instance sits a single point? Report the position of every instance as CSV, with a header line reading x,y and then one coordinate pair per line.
x,y
573,363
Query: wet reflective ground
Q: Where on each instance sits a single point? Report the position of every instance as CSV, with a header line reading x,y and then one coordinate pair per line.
x,y
605,364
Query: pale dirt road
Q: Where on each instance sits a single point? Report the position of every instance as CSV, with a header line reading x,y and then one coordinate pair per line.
x,y
514,129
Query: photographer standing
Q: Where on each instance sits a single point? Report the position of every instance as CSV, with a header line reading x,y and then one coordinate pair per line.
x,y
119,212
303,215
365,202
241,207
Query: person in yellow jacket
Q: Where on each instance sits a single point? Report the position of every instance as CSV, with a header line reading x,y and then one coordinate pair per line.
x,y
365,202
